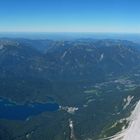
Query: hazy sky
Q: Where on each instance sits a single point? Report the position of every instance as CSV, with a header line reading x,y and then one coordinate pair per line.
x,y
70,16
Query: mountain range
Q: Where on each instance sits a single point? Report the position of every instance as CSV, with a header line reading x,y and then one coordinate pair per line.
x,y
97,78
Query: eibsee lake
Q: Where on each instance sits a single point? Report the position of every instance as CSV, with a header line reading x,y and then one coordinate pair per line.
x,y
13,111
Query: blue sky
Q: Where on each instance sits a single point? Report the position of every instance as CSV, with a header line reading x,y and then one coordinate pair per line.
x,y
70,16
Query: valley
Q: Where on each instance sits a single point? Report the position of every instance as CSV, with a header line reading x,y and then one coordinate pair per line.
x,y
93,84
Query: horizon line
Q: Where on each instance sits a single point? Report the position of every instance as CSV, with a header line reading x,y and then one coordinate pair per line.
x,y
28,32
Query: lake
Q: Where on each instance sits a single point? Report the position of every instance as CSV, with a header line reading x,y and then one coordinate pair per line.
x,y
13,111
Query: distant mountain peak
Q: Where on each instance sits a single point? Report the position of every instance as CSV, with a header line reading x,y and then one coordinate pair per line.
x,y
5,42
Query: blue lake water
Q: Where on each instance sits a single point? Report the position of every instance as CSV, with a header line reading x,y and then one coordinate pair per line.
x,y
13,111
